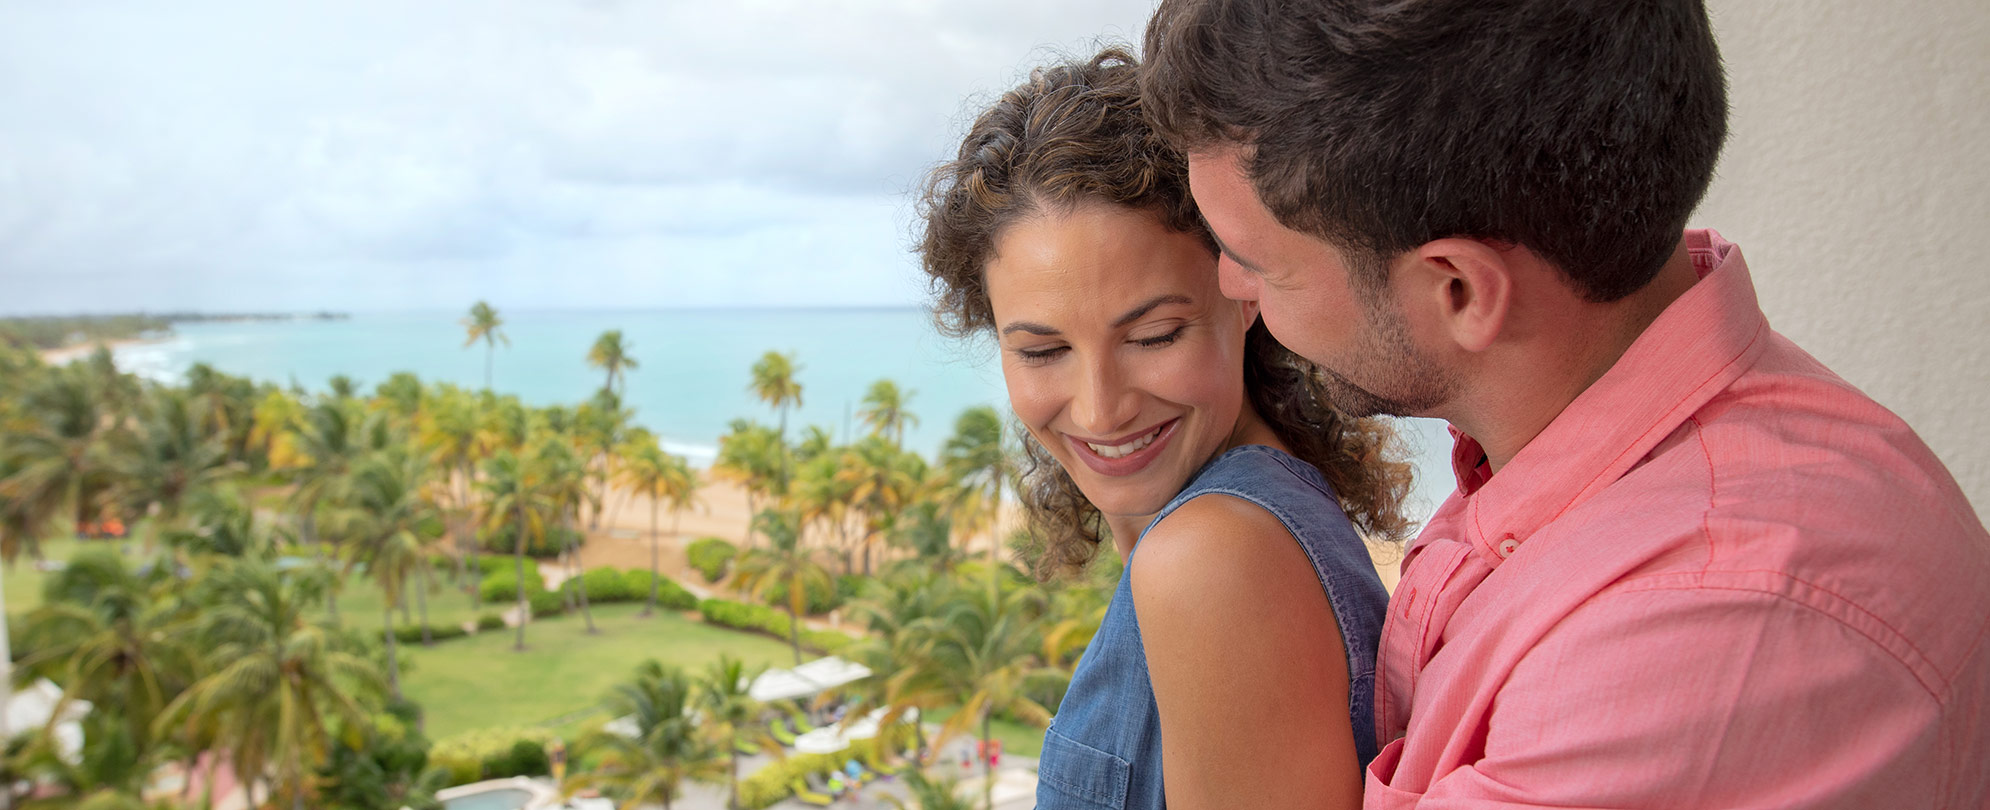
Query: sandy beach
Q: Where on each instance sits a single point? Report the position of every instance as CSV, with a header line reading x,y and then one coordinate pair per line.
x,y
77,351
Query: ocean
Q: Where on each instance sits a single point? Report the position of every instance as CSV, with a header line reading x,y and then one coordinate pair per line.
x,y
692,373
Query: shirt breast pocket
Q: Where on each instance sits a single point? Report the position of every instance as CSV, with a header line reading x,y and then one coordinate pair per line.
x,y
1074,775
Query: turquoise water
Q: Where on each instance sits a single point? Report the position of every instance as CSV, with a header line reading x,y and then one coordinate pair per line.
x,y
693,370
691,381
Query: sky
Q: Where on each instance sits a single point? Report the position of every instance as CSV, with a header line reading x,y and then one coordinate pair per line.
x,y
370,155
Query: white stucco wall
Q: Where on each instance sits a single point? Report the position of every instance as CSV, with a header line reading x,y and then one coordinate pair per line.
x,y
1857,181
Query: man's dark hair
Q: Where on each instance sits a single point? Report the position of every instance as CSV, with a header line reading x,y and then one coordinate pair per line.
x,y
1586,131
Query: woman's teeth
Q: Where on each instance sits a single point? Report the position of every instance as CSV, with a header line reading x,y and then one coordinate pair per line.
x,y
1123,450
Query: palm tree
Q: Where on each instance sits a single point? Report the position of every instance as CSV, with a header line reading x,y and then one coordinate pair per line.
x,y
600,427
985,647
668,747
515,491
115,639
980,463
60,455
884,410
932,793
662,478
884,481
731,714
783,563
275,417
566,487
391,528
895,648
169,458
751,454
774,383
610,353
485,325
823,494
278,681
449,431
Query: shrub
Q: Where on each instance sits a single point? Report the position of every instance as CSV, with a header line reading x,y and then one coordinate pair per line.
x,y
669,594
771,783
411,634
545,603
822,597
763,619
502,584
489,621
548,544
711,556
605,585
492,753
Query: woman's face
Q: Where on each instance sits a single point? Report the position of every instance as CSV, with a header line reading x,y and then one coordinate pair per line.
x,y
1121,355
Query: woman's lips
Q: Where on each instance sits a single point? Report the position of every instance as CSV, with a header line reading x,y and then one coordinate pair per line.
x,y
1131,462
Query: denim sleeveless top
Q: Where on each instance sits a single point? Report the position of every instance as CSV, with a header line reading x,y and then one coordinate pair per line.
x,y
1103,749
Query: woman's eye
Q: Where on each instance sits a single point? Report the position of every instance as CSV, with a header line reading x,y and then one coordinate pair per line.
x,y
1040,355
1158,341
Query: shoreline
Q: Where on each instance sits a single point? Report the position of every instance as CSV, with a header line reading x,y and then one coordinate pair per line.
x,y
73,352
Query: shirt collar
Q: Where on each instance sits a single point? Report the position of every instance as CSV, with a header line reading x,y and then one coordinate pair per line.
x,y
1692,351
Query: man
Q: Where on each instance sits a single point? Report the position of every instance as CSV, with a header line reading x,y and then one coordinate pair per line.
x,y
1685,564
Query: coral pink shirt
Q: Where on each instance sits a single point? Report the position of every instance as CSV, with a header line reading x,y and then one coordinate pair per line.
x,y
1722,577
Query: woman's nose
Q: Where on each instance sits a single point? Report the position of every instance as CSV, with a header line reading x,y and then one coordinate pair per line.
x,y
1106,405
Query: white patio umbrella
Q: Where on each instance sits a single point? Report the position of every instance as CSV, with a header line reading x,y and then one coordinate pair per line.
x,y
807,679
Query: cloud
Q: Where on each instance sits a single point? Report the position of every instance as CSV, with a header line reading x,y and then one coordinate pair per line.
x,y
380,155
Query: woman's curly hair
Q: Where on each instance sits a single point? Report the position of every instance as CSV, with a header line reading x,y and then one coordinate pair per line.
x,y
1074,133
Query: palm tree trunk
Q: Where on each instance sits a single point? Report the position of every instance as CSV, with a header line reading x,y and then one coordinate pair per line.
x,y
523,607
405,610
490,348
794,622
421,597
393,665
477,581
654,541
987,762
580,581
751,513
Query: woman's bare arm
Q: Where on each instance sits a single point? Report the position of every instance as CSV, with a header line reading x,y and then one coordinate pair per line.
x,y
1247,663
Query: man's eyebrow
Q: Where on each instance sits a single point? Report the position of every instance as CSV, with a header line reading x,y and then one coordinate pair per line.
x,y
1247,264
1141,311
1131,315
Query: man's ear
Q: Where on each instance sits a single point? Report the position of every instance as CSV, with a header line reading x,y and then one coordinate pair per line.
x,y
1250,311
1466,285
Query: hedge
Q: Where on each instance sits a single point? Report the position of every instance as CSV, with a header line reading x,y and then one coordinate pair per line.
x,y
711,556
489,621
772,782
493,753
763,619
411,634
822,597
606,585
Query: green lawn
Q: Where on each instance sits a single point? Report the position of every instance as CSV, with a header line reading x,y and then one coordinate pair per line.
x,y
1017,738
480,682
360,602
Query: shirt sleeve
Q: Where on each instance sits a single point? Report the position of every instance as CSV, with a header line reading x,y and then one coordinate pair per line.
x,y
1704,698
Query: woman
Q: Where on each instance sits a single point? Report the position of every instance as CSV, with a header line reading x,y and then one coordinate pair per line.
x,y
1243,633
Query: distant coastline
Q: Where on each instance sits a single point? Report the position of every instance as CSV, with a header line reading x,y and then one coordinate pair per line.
x,y
62,338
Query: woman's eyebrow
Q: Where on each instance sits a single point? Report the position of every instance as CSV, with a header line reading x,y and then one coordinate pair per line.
x,y
1131,315
1141,311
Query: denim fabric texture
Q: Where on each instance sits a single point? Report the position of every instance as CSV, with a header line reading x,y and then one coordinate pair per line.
x,y
1103,750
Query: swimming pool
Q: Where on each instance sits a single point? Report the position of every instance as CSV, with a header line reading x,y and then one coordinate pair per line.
x,y
499,799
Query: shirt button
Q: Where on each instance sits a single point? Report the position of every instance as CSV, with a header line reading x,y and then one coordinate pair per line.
x,y
1506,546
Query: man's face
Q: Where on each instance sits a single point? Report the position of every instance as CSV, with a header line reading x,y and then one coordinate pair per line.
x,y
1310,300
